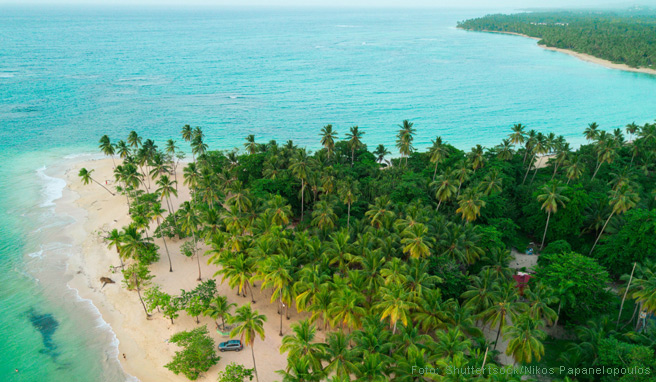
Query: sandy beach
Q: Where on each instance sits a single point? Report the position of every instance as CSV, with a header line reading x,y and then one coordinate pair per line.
x,y
144,342
585,57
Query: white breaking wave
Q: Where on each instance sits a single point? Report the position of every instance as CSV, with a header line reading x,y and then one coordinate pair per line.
x,y
53,188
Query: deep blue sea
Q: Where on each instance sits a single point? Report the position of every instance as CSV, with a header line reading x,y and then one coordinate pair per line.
x,y
68,76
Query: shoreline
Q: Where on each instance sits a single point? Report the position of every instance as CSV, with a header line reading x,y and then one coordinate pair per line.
x,y
581,56
145,341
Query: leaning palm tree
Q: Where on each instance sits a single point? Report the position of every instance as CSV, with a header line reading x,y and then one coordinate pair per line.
x,y
404,139
551,197
250,324
86,178
525,339
620,200
328,136
107,148
505,305
134,139
574,169
156,213
518,136
354,140
591,132
644,287
445,189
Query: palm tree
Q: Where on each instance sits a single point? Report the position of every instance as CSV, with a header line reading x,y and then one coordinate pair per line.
x,y
354,140
551,197
539,147
470,204
540,298
380,211
504,150
107,147
328,136
156,213
219,308
380,153
250,324
300,166
631,129
347,308
323,216
491,183
187,133
348,192
438,152
620,200
114,239
416,242
644,286
605,153
239,271
277,272
86,178
565,295
591,132
476,158
301,345
445,189
341,358
505,305
518,136
122,149
190,223
404,139
525,339
279,210
250,144
395,303
134,139
574,169
165,190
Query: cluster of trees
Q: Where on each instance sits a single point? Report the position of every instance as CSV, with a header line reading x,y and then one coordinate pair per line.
x,y
403,261
626,38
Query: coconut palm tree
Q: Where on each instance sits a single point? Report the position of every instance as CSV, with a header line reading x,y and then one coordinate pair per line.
x,y
644,286
219,308
415,241
491,183
606,152
238,270
539,147
470,204
620,200
122,149
156,213
190,223
323,216
438,152
341,358
540,298
551,197
381,152
166,188
347,308
395,304
462,174
277,272
476,158
250,324
574,169
115,239
134,140
279,210
301,345
354,140
328,136
505,304
565,295
525,339
404,139
250,145
85,175
300,167
518,136
504,150
187,133
591,132
348,192
631,129
107,148
380,211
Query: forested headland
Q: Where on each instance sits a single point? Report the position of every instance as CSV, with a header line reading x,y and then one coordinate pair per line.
x,y
401,262
626,37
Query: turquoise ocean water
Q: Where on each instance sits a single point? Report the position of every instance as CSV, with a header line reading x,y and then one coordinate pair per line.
x,y
68,76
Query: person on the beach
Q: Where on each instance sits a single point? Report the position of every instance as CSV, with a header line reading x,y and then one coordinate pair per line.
x,y
124,357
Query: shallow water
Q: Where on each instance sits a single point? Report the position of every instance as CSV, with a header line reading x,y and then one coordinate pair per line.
x,y
69,76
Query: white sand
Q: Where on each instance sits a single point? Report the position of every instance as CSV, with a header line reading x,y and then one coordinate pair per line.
x,y
144,341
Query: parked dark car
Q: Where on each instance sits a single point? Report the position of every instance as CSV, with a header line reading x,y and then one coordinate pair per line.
x,y
231,345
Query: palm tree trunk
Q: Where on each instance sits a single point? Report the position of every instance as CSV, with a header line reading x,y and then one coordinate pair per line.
x,y
632,158
197,254
438,205
254,367
545,230
528,168
394,328
435,172
100,184
136,280
165,246
302,197
555,169
534,174
638,320
348,217
601,233
352,156
624,297
597,169
560,305
280,307
568,180
496,341
251,289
